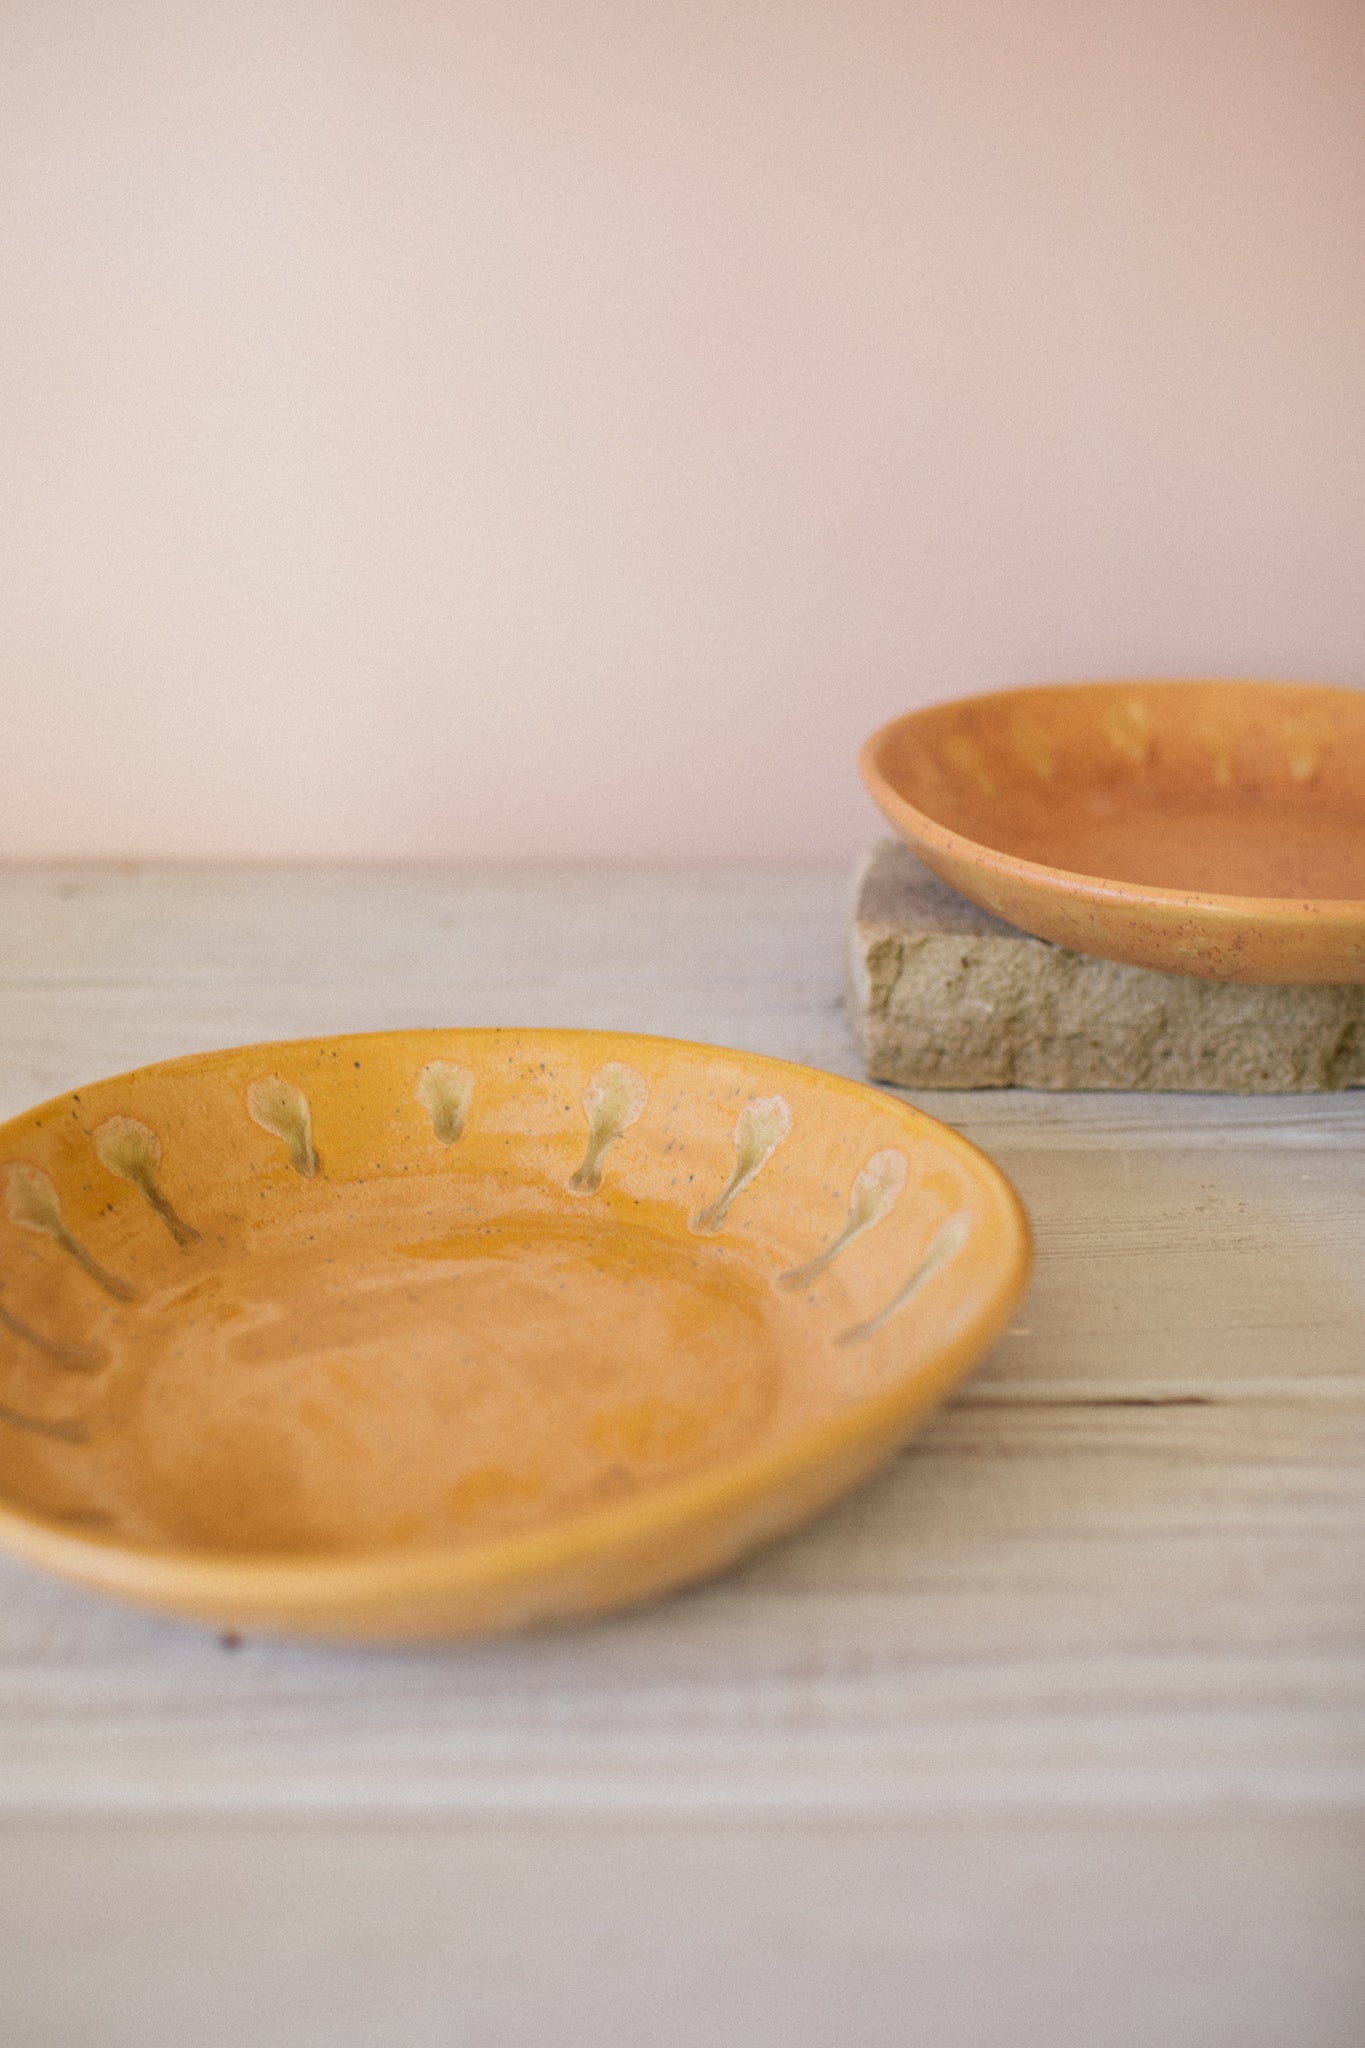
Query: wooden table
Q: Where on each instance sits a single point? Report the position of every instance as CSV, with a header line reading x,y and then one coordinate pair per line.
x,y
1054,1735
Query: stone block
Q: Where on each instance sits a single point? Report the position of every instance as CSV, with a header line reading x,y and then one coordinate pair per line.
x,y
943,995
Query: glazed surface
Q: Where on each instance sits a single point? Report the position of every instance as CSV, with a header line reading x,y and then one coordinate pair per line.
x,y
1072,810
428,1292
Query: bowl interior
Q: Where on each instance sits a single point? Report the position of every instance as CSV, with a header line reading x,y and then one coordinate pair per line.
x,y
1219,788
435,1288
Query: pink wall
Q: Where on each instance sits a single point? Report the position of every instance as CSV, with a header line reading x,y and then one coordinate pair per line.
x,y
562,428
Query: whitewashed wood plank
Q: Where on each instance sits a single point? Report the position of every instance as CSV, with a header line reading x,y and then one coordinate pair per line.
x,y
1126,1568
1195,1262
105,968
1129,1606
1053,1735
1213,1930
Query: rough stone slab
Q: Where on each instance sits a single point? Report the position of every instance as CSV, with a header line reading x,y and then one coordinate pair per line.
x,y
943,995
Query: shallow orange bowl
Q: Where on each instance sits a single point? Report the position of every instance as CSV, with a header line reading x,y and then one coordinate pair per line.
x,y
424,1334
1208,828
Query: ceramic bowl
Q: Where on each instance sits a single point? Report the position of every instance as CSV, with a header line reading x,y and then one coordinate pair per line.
x,y
422,1334
1205,828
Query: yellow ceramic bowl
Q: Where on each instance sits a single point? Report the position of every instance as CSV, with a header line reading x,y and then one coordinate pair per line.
x,y
433,1333
1207,828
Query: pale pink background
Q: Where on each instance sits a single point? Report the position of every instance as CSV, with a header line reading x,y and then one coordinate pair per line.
x,y
562,428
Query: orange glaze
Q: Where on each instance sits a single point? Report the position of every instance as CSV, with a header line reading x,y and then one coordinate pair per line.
x,y
340,1337
1207,828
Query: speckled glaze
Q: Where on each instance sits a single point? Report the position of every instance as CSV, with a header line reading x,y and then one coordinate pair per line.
x,y
422,1334
1212,828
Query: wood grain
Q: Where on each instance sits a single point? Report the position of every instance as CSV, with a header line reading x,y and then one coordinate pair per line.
x,y
1195,1930
1101,1625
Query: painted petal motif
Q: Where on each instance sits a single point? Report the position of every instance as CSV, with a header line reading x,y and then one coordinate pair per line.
x,y
75,1357
945,1245
31,1201
444,1091
282,1109
614,1099
760,1128
73,1432
874,1195
133,1152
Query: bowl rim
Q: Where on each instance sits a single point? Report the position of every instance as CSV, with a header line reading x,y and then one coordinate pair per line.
x,y
1223,906
279,1587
